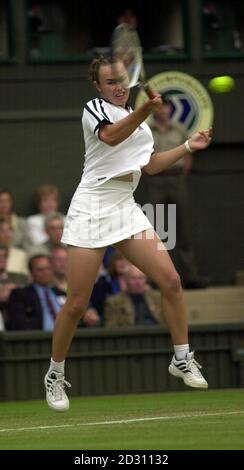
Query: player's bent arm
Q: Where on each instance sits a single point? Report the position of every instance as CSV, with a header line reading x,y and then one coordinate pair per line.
x,y
114,134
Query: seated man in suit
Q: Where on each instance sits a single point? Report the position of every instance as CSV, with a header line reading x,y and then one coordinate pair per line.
x,y
35,307
139,305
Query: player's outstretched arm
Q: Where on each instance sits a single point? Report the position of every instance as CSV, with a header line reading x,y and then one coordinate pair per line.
x,y
163,160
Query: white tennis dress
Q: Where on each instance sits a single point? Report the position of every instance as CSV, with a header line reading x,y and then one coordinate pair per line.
x,y
103,210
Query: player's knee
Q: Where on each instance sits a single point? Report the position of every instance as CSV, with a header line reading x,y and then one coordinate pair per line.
x,y
173,284
76,307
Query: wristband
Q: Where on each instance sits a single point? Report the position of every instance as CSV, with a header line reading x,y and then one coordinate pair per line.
x,y
187,146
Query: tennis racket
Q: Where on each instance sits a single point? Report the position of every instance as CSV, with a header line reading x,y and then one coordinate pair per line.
x,y
126,48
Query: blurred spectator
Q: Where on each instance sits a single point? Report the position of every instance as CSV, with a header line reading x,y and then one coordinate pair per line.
x,y
18,224
37,25
17,258
54,224
139,305
107,255
7,277
59,261
47,17
35,306
37,20
170,187
91,318
8,282
129,17
117,267
46,25
102,288
221,26
109,283
47,202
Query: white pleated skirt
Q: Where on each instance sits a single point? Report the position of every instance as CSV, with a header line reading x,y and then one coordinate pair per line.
x,y
103,215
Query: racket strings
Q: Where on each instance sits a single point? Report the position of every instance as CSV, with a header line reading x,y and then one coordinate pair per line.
x,y
126,48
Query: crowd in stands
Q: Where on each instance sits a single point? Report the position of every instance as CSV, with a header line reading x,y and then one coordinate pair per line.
x,y
33,274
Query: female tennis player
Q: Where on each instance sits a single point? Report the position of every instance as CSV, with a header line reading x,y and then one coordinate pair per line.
x,y
118,147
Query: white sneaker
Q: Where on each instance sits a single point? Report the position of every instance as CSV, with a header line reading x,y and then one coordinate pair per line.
x,y
188,370
55,395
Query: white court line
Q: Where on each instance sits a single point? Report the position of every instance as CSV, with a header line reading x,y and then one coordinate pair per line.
x,y
124,421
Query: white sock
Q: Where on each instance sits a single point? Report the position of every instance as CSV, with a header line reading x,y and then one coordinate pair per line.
x,y
181,351
56,366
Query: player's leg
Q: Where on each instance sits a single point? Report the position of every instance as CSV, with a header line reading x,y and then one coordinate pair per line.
x,y
147,252
83,265
150,256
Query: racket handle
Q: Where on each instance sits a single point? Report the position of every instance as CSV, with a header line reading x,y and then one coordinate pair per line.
x,y
150,93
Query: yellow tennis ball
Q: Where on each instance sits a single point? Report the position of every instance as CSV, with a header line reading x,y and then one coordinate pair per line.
x,y
222,84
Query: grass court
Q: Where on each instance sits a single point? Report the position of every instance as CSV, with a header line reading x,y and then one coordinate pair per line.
x,y
184,420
